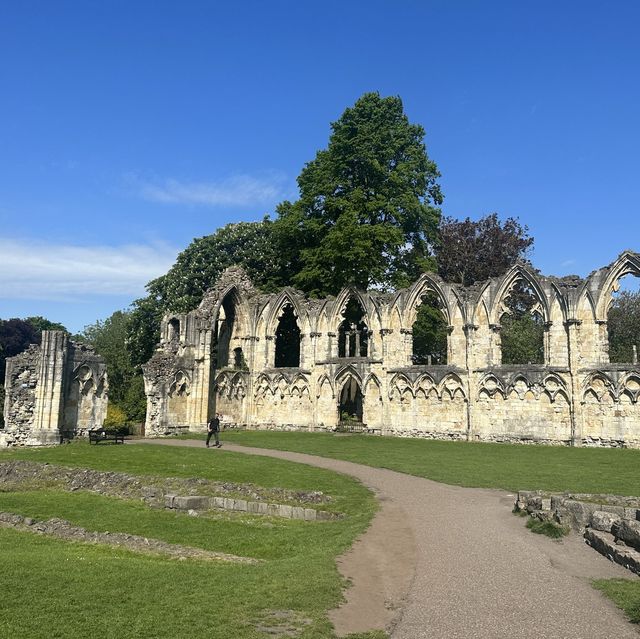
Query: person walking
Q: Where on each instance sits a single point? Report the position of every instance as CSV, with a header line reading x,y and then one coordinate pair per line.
x,y
213,428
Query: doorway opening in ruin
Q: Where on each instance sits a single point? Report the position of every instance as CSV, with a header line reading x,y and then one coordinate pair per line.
x,y
353,333
522,326
223,330
287,339
623,321
429,332
350,408
174,330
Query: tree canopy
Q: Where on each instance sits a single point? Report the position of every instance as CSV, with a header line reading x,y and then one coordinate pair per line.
x,y
367,213
624,327
126,386
471,251
246,244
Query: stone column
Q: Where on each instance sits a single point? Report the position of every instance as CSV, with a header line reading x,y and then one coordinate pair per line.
x,y
269,352
495,350
547,343
333,346
469,332
303,346
407,345
49,392
314,347
575,405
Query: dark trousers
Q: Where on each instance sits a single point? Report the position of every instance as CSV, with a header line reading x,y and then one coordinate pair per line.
x,y
215,434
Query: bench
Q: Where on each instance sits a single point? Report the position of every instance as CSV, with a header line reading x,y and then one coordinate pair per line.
x,y
351,427
102,435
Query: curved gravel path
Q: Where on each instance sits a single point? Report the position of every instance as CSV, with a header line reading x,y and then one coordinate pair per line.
x,y
446,562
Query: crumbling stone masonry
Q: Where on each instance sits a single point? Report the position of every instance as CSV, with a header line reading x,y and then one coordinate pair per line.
x,y
227,356
53,391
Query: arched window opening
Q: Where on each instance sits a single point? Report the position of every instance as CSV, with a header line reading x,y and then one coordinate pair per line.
x,y
287,339
623,321
522,332
223,330
351,402
174,330
238,359
353,333
429,332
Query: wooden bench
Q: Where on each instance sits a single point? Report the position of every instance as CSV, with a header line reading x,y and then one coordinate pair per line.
x,y
351,427
102,435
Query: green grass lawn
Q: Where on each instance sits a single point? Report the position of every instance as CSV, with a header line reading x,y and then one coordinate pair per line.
x,y
53,588
511,467
624,593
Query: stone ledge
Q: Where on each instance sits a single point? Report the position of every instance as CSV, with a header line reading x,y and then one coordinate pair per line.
x,y
605,544
200,503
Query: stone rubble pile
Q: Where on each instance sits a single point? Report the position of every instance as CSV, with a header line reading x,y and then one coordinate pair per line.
x,y
610,523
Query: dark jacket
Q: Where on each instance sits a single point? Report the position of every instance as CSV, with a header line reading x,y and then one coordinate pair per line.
x,y
214,425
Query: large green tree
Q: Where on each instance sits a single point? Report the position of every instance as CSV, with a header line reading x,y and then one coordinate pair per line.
x,y
624,327
247,244
126,388
368,209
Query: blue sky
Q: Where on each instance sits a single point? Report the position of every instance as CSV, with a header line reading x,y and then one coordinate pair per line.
x,y
127,128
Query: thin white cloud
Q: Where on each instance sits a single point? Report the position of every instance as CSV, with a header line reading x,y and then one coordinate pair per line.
x,y
238,190
569,262
47,271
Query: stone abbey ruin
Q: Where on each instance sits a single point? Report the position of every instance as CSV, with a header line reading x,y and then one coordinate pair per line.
x,y
54,391
286,361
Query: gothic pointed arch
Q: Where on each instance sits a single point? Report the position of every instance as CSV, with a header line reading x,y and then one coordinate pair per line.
x,y
518,273
353,324
428,284
627,264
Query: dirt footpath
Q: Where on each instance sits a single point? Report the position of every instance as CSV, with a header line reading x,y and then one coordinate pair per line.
x,y
444,562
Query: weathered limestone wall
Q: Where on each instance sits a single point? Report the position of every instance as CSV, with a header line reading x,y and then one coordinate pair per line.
x,y
221,357
53,391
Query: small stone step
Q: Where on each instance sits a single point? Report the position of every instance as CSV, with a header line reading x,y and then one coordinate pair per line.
x,y
620,553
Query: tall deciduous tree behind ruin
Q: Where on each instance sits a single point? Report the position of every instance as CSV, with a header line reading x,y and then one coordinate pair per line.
x,y
368,208
472,251
624,327
246,244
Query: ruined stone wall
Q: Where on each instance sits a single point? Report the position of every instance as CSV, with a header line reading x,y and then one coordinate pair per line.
x,y
221,357
53,391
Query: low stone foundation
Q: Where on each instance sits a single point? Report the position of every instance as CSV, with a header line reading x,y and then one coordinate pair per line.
x,y
62,529
610,523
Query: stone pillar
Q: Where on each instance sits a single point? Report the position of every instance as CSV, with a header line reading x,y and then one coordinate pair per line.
x,y
469,332
357,353
200,402
575,405
49,392
495,350
383,344
333,346
407,345
314,347
303,346
270,351
547,343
